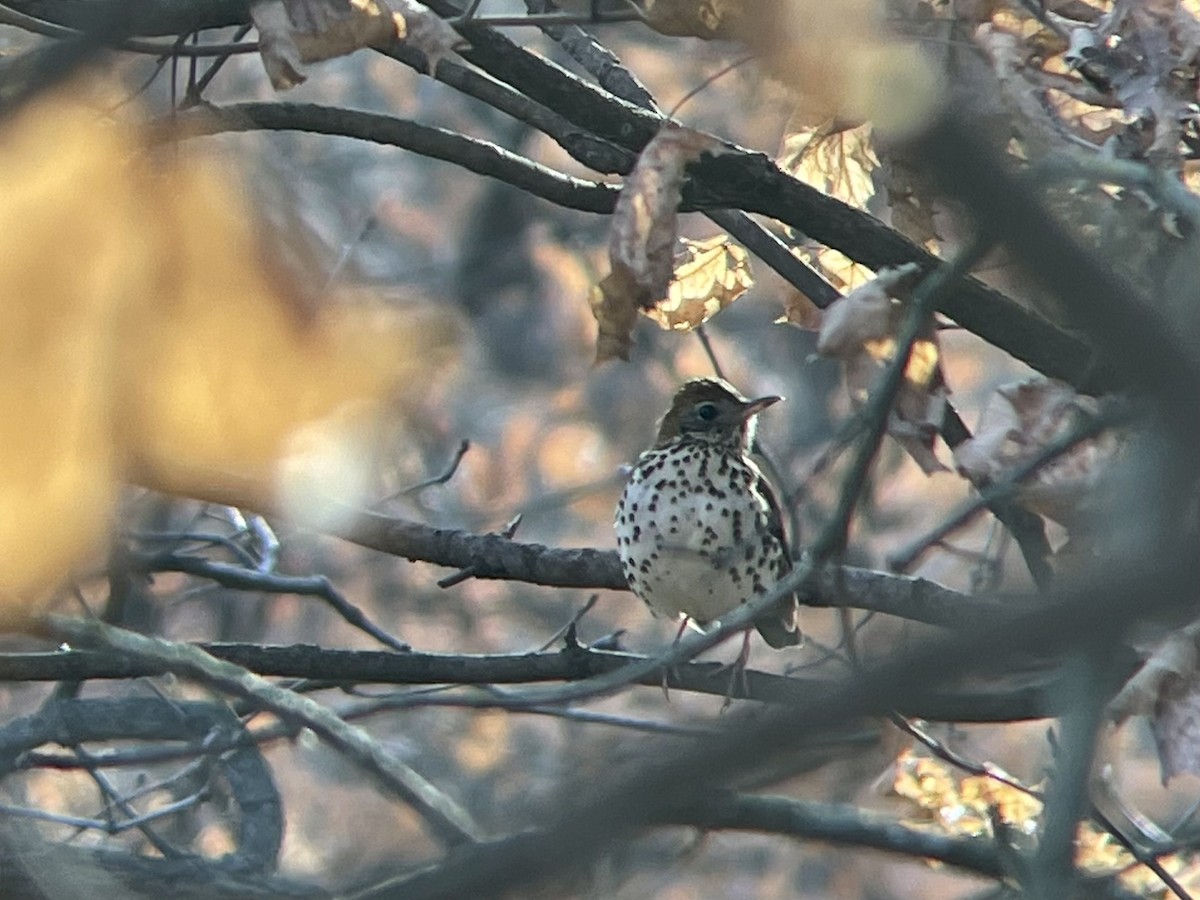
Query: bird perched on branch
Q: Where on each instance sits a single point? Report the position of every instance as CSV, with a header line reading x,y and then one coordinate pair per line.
x,y
698,528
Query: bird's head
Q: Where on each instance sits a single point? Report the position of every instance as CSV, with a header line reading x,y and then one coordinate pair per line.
x,y
712,410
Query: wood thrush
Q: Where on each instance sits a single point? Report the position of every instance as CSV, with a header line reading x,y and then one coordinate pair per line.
x,y
698,528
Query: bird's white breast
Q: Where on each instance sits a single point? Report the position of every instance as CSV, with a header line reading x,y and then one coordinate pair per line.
x,y
692,533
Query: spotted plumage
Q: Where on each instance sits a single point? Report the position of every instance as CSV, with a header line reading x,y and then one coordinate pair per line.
x,y
698,529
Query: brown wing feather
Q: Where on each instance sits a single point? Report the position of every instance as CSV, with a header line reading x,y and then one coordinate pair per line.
x,y
781,627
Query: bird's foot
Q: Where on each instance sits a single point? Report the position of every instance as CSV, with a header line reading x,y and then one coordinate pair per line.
x,y
737,673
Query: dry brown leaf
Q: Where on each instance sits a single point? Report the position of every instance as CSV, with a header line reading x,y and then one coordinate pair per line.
x,y
860,330
709,275
1167,688
800,311
1176,656
164,352
294,32
428,32
1018,422
911,211
614,303
642,236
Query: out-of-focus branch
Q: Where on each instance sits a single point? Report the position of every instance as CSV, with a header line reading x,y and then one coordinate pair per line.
x,y
836,824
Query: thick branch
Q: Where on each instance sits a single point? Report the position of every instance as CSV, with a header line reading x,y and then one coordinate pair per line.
x,y
156,17
495,556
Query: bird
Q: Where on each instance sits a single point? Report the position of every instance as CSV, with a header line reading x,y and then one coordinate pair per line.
x,y
698,528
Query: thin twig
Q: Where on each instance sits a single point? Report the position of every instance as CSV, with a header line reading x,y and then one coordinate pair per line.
x,y
446,474
238,578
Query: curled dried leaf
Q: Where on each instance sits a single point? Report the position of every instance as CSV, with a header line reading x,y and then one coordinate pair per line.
x,y
292,32
860,330
642,236
1177,656
800,311
427,31
709,275
1018,422
614,304
1167,688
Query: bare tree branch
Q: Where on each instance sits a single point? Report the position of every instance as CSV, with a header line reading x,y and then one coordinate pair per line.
x,y
481,157
1010,698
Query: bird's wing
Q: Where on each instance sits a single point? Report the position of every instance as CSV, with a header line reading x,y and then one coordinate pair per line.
x,y
779,628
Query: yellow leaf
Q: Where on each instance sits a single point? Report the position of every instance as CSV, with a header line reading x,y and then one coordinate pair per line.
x,y
834,157
710,276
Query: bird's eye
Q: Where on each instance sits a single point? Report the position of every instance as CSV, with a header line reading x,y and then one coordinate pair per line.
x,y
707,411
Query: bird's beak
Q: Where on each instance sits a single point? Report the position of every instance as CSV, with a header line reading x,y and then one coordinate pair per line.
x,y
754,407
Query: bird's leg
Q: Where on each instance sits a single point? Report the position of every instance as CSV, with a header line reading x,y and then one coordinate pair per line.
x,y
737,672
683,624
